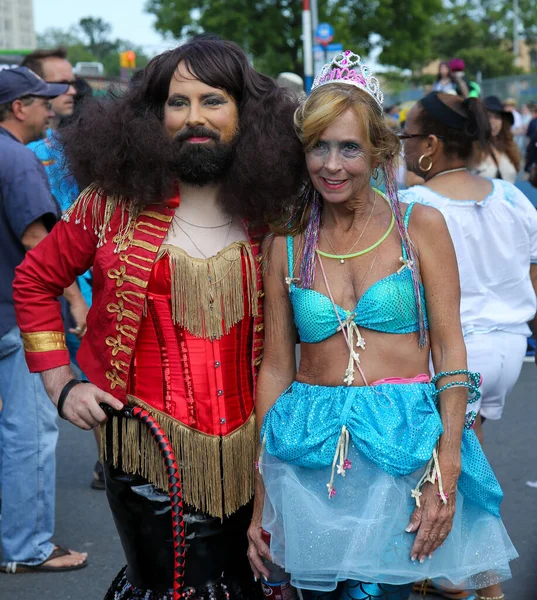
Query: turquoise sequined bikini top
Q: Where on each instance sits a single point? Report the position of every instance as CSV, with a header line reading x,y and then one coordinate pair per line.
x,y
388,305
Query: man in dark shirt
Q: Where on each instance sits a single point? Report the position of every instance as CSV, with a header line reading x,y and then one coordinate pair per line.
x,y
28,429
531,131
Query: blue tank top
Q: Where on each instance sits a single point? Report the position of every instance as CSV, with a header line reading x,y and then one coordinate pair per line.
x,y
388,305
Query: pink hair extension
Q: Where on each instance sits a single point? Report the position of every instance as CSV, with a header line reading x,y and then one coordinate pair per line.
x,y
311,239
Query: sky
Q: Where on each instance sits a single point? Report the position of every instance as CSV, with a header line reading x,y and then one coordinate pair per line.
x,y
127,17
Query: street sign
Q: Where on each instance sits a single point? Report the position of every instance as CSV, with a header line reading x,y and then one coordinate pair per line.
x,y
324,54
324,34
335,48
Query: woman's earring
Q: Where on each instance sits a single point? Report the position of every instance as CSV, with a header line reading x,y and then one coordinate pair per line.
x,y
375,173
425,170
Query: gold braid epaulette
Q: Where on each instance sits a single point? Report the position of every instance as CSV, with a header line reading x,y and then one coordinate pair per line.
x,y
103,208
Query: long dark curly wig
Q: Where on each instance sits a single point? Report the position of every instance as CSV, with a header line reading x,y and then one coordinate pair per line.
x,y
120,144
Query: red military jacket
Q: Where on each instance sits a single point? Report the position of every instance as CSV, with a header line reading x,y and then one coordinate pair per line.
x,y
122,247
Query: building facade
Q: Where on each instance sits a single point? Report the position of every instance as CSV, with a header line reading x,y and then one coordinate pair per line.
x,y
17,25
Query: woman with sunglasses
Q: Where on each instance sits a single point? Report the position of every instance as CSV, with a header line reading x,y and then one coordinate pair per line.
x,y
494,231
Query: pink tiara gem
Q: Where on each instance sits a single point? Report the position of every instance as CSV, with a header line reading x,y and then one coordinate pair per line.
x,y
348,68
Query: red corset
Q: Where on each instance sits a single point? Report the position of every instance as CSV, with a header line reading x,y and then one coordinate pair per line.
x,y
204,383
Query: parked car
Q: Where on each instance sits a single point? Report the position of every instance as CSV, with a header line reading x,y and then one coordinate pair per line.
x,y
88,69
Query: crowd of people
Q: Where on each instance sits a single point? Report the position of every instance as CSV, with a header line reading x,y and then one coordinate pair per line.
x,y
195,229
512,155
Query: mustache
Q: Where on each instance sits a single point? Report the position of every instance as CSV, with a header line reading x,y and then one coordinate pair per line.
x,y
199,131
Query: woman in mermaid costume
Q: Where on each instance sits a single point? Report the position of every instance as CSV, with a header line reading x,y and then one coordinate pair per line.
x,y
370,475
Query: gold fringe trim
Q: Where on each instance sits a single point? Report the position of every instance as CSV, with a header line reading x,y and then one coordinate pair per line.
x,y
217,473
207,294
99,219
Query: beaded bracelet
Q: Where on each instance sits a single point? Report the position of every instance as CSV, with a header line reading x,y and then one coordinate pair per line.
x,y
472,384
472,388
475,377
469,419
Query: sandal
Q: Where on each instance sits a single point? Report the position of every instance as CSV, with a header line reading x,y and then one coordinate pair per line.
x,y
428,588
97,483
13,567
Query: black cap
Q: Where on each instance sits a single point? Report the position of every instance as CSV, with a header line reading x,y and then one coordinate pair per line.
x,y
21,81
494,104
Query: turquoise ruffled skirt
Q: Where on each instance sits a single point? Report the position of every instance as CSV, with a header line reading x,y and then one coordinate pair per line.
x,y
337,510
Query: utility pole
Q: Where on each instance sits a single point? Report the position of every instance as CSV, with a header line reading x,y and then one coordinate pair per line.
x,y
516,49
314,16
308,46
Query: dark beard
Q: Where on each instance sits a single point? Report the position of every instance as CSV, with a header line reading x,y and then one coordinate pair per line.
x,y
201,164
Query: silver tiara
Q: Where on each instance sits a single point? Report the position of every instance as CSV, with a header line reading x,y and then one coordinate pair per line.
x,y
348,67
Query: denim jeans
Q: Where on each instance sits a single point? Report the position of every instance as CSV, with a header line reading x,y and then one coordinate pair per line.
x,y
28,436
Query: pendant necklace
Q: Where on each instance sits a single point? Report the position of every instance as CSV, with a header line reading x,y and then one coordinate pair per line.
x,y
446,172
342,259
197,247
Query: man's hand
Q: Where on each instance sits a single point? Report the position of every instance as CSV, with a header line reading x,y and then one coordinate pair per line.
x,y
81,407
78,308
79,311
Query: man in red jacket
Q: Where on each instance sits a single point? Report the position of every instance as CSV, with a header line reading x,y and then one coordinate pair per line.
x,y
185,168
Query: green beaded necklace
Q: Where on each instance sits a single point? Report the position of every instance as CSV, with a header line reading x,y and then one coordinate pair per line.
x,y
342,257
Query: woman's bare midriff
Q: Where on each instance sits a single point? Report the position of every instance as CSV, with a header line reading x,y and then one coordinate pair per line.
x,y
386,355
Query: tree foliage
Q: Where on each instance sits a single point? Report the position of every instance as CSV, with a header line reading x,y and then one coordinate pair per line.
x,y
481,33
90,41
270,30
406,34
96,34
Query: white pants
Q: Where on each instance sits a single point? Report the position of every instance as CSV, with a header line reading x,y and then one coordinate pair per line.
x,y
498,356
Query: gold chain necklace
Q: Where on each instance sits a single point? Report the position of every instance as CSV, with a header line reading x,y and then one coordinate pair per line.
x,y
196,246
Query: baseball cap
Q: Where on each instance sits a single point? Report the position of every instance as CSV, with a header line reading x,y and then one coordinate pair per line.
x,y
21,81
456,65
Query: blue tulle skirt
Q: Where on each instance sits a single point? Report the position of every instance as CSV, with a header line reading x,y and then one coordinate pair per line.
x,y
358,531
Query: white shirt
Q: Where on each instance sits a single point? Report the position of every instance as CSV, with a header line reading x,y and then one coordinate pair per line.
x,y
517,121
495,242
488,168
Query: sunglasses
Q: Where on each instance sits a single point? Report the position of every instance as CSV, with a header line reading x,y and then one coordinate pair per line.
x,y
64,82
403,135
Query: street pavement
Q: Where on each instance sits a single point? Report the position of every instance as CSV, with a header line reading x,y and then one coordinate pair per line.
x,y
83,521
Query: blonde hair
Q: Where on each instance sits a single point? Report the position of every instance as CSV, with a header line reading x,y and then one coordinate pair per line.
x,y
330,101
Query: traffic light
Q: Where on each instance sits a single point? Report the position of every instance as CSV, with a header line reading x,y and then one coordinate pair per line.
x,y
127,59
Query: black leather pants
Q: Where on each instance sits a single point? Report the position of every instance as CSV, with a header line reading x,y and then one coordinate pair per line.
x,y
216,549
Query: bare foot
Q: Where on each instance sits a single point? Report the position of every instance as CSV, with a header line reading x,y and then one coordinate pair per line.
x,y
72,559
